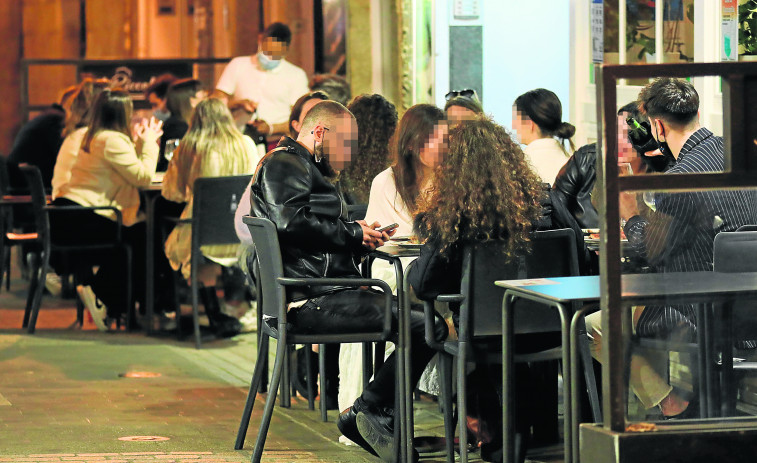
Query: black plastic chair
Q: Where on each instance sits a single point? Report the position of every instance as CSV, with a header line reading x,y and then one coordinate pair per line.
x,y
45,245
745,228
215,201
553,254
274,308
735,252
11,201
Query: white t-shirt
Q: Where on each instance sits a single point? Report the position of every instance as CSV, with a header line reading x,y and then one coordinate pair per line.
x,y
67,155
274,91
546,157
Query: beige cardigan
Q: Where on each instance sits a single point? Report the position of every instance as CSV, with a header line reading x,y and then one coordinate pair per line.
x,y
111,173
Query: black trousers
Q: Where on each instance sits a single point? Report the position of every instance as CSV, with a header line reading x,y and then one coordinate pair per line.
x,y
109,282
357,310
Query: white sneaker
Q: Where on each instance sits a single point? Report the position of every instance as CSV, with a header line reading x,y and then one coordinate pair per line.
x,y
249,320
96,308
53,284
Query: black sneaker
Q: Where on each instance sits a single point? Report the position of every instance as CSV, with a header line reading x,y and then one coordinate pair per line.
x,y
347,425
378,432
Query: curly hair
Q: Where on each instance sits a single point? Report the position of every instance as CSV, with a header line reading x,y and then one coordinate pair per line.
x,y
376,122
483,191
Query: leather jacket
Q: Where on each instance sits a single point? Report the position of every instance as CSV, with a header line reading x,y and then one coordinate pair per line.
x,y
317,240
574,184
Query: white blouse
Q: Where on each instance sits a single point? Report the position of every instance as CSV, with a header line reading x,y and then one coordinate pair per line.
x,y
385,205
546,157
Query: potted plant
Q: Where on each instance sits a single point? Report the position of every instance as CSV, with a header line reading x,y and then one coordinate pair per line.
x,y
748,30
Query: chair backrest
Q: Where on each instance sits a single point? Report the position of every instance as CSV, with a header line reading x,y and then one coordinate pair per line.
x,y
215,203
552,254
39,201
268,255
735,252
745,228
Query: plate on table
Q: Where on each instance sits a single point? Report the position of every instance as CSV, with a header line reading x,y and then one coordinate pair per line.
x,y
409,245
401,238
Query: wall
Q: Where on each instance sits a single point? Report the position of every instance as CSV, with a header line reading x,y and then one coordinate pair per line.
x,y
526,45
10,81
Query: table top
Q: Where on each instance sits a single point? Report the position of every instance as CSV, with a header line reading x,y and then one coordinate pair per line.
x,y
677,286
394,250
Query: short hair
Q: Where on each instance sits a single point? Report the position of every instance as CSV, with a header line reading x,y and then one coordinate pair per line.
x,y
327,112
280,32
632,108
335,86
159,85
675,101
465,102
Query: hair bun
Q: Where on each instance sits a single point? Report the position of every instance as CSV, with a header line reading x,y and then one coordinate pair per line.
x,y
565,130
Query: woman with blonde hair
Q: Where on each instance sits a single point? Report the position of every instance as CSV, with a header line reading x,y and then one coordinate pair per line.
x,y
212,147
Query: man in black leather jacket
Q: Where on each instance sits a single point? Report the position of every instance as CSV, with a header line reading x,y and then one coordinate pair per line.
x,y
293,188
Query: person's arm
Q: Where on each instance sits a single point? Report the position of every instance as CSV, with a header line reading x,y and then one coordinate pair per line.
x,y
283,186
227,83
243,209
136,169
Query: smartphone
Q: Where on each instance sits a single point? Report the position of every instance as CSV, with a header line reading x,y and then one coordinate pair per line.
x,y
388,227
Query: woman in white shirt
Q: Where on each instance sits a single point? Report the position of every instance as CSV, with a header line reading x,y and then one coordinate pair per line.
x,y
537,118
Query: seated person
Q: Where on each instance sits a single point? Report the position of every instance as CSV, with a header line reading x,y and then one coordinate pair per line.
x,y
479,195
181,98
292,188
676,237
462,106
213,147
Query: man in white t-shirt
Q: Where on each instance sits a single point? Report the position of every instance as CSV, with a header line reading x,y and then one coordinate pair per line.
x,y
268,80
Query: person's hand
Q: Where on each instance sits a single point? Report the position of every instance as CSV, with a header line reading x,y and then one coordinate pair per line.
x,y
628,205
372,239
261,126
149,132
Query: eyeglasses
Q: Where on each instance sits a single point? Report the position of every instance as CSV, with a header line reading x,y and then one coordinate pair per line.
x,y
467,93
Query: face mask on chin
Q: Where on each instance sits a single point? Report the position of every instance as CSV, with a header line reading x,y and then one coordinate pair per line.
x,y
267,62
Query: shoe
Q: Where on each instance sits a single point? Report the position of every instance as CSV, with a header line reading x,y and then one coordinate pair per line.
x,y
249,321
53,284
378,432
347,424
165,321
225,326
96,309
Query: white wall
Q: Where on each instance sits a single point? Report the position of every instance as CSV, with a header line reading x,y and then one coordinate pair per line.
x,y
526,46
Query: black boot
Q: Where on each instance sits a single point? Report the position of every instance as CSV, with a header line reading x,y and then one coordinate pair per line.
x,y
223,325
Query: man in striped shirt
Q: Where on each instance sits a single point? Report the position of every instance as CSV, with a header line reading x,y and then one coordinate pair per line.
x,y
678,235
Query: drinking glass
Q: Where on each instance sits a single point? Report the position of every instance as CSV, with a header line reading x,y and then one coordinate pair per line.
x,y
171,145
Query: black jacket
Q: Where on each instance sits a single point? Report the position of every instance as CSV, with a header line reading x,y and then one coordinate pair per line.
x,y
316,238
574,184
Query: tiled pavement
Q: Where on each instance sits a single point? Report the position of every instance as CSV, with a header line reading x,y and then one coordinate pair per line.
x,y
63,399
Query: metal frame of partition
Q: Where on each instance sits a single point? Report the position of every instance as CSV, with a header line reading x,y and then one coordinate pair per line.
x,y
80,63
739,82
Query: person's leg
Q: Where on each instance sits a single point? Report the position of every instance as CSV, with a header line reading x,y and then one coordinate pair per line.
x,y
646,370
222,324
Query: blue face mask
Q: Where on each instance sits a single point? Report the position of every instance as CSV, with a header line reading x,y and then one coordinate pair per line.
x,y
161,114
266,62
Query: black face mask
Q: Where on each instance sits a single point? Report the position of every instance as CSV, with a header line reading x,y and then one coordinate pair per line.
x,y
640,136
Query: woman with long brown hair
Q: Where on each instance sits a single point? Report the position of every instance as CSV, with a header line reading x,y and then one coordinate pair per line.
x,y
109,170
395,192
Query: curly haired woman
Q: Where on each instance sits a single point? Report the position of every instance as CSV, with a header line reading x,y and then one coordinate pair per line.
x,y
484,191
376,121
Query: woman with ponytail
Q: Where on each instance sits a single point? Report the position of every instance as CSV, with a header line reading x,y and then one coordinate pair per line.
x,y
537,118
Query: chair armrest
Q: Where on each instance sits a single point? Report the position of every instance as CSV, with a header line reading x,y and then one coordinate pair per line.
x,y
176,220
119,217
430,335
352,283
450,298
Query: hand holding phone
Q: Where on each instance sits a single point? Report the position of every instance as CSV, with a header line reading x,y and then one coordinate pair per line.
x,y
388,227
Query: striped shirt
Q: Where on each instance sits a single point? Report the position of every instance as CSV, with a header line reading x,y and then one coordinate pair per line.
x,y
679,236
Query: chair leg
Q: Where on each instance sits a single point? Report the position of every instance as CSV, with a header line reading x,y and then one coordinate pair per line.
x,y
195,308
310,378
5,269
367,362
285,400
257,375
259,298
591,380
34,299
462,392
278,367
445,377
130,316
322,375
